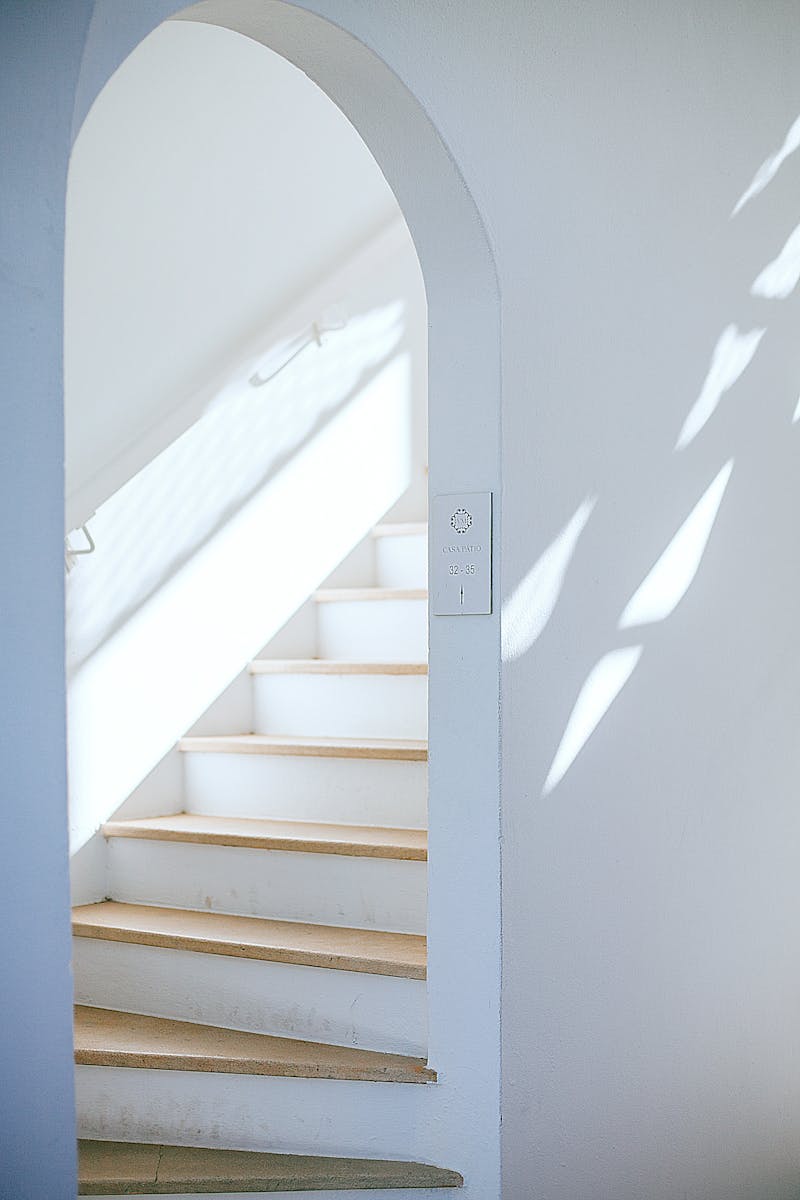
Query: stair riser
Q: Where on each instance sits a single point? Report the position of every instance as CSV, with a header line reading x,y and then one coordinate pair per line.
x,y
342,705
324,889
402,561
373,630
344,1008
298,1116
348,790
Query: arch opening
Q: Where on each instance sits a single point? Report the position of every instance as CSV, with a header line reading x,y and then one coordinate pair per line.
x,y
460,1119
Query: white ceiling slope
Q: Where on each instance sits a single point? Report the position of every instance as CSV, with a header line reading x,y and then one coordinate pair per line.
x,y
211,183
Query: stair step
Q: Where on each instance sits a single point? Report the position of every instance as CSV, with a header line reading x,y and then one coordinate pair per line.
x,y
349,887
358,841
125,1168
397,749
346,1008
401,555
401,529
330,666
343,791
358,594
108,1038
325,698
375,624
368,951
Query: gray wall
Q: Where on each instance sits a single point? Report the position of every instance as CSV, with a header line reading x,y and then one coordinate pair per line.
x,y
41,45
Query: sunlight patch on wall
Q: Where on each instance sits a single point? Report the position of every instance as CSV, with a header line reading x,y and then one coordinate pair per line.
x,y
770,167
161,517
603,684
145,685
779,278
530,606
669,580
732,355
796,416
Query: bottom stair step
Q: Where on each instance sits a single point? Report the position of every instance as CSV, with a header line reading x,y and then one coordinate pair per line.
x,y
107,1038
128,1168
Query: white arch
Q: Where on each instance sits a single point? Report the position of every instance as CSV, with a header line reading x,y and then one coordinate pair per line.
x,y
459,1120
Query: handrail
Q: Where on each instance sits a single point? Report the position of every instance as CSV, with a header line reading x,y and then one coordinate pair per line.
x,y
90,484
70,555
331,321
335,320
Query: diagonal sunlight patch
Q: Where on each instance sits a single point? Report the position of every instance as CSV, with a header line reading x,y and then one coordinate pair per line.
x,y
603,684
732,355
669,580
770,167
779,278
530,606
796,416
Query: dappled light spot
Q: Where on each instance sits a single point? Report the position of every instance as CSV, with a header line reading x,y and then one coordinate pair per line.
x,y
669,580
770,167
158,520
603,684
732,355
166,659
779,278
531,604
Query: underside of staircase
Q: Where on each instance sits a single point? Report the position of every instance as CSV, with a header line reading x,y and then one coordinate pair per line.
x,y
251,997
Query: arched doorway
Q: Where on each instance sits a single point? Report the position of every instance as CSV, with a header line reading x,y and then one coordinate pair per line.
x,y
464,456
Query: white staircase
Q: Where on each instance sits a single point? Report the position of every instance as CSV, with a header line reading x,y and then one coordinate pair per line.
x,y
251,1004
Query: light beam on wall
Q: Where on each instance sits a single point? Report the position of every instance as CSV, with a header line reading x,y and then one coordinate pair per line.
x,y
770,167
779,278
147,683
667,583
530,606
603,684
732,355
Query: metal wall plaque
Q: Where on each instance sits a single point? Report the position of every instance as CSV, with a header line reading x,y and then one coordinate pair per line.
x,y
461,555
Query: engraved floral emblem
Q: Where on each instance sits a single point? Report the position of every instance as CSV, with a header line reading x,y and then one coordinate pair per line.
x,y
461,520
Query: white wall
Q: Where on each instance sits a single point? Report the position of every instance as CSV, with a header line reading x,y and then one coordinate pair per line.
x,y
205,552
210,187
186,494
650,898
37,1111
458,1120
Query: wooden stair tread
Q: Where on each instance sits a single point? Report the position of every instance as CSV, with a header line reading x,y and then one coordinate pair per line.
x,y
295,746
401,529
361,841
329,595
125,1168
332,666
369,951
107,1038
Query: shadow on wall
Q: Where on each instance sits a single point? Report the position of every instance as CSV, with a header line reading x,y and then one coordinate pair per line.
x,y
533,602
